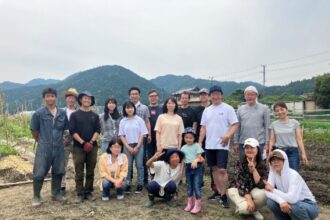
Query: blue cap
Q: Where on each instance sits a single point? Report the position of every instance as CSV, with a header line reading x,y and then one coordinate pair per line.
x,y
215,88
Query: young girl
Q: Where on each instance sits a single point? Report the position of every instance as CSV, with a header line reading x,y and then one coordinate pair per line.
x,y
193,163
113,169
132,130
109,121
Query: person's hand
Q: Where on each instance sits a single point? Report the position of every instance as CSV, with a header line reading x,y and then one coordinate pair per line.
x,y
194,164
251,207
200,144
268,187
285,207
225,139
149,139
180,174
251,165
118,183
236,148
304,159
158,154
130,150
135,150
266,148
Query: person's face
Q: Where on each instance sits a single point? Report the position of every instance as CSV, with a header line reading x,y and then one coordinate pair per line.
x,y
86,101
115,149
216,97
174,160
203,97
281,112
170,106
184,99
134,96
277,164
70,100
50,99
129,110
250,97
250,152
153,98
189,138
111,106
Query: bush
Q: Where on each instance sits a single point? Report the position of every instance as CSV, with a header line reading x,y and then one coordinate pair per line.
x,y
7,150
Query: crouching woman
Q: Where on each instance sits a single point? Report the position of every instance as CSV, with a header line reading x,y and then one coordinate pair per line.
x,y
167,176
113,168
250,174
288,194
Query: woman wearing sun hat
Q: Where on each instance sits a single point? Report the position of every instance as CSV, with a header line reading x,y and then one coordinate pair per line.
x,y
167,175
250,173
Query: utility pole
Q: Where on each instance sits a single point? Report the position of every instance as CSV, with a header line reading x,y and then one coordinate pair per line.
x,y
263,78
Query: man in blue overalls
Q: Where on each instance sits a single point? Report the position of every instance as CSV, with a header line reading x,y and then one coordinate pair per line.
x,y
47,125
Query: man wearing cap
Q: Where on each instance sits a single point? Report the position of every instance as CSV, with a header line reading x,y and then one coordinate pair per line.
x,y
47,126
71,100
253,121
85,129
219,123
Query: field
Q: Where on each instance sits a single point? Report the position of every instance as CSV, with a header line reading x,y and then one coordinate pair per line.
x,y
15,201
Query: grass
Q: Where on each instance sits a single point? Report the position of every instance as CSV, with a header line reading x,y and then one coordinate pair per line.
x,y
7,150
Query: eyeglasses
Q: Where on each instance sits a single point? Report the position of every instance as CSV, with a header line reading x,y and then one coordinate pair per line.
x,y
151,96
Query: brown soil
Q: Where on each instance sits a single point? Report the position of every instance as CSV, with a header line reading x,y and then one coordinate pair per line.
x,y
15,202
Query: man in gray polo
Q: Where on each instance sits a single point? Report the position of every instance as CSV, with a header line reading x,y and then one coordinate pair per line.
x,y
253,122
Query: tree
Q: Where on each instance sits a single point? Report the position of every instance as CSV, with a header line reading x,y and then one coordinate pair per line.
x,y
322,90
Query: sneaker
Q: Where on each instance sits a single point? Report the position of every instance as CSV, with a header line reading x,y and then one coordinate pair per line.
x,y
36,202
138,189
63,191
214,196
120,197
257,215
224,201
128,190
90,197
79,199
59,197
105,198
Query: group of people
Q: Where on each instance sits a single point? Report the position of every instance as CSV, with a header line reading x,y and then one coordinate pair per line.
x,y
169,141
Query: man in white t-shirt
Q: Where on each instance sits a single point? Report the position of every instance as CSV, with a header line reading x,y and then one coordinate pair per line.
x,y
219,123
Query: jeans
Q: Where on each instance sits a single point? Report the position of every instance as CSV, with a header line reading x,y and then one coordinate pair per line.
x,y
104,147
194,177
154,188
107,185
80,158
241,149
301,210
293,157
138,157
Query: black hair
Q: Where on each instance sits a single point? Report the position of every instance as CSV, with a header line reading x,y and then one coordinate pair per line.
x,y
185,93
171,98
193,134
258,158
116,114
128,104
114,140
133,88
280,104
49,91
152,91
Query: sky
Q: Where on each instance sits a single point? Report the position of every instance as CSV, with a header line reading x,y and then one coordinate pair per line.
x,y
226,40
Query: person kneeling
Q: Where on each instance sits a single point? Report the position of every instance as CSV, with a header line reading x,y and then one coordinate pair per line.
x,y
288,194
167,176
250,176
113,168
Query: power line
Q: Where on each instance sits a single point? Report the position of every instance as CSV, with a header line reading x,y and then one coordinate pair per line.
x,y
297,66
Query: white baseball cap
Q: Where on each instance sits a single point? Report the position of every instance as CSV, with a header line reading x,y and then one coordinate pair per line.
x,y
251,142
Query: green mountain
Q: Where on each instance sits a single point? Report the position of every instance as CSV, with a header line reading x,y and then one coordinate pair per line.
x,y
102,82
296,88
172,83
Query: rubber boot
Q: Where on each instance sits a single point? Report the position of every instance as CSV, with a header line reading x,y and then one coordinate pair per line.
x,y
197,207
56,188
37,185
150,201
190,204
170,201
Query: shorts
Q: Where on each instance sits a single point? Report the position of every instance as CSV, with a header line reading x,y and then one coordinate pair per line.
x,y
215,157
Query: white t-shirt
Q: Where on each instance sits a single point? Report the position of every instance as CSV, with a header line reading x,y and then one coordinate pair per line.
x,y
69,112
217,120
132,128
164,173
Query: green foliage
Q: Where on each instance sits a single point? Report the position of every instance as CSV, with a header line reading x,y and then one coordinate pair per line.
x,y
317,136
315,124
322,90
7,150
284,97
14,127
